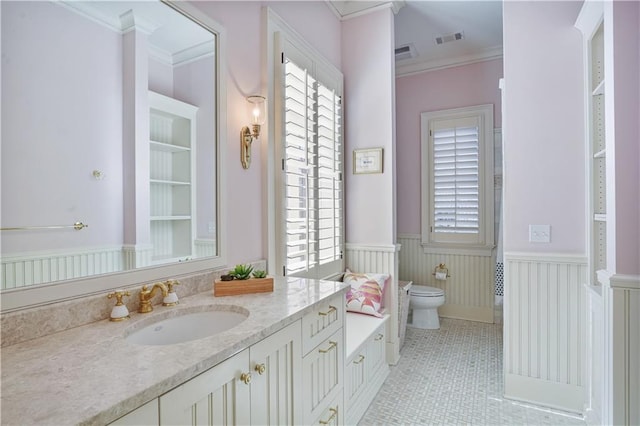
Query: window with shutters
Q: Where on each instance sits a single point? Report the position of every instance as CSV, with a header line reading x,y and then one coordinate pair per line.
x,y
310,188
457,179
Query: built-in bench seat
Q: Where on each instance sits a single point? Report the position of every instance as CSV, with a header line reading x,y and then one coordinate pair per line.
x,y
366,367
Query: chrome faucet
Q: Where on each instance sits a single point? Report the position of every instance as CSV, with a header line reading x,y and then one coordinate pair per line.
x,y
146,295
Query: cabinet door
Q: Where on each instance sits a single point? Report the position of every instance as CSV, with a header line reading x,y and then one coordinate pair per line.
x,y
145,415
355,375
216,397
376,351
276,378
322,373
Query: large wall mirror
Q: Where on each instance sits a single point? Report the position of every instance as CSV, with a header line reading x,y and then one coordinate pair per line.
x,y
110,161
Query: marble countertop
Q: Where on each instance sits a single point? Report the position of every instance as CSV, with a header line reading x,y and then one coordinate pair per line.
x,y
93,375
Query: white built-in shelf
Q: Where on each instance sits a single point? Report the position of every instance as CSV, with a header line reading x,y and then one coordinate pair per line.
x,y
172,145
168,147
600,154
600,217
154,218
599,90
169,182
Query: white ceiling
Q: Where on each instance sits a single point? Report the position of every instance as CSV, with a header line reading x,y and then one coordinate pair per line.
x,y
417,22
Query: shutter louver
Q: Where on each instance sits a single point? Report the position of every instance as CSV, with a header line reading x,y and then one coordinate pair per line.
x,y
456,203
298,168
312,171
329,183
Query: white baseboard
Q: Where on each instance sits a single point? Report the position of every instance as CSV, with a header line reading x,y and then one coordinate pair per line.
x,y
542,392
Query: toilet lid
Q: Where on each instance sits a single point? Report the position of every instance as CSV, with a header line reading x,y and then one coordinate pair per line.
x,y
423,290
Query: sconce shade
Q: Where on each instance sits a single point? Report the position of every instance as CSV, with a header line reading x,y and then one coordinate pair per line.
x,y
257,109
257,112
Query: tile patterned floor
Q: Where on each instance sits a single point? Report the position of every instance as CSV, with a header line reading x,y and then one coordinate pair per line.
x,y
453,376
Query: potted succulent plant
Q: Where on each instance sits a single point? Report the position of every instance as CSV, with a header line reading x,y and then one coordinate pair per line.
x,y
242,279
259,274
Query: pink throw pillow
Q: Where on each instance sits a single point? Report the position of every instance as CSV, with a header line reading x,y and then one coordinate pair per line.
x,y
366,295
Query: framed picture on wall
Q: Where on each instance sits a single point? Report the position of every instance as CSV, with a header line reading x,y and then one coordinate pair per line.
x,y
367,161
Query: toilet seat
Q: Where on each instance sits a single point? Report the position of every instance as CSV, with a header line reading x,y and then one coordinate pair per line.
x,y
425,291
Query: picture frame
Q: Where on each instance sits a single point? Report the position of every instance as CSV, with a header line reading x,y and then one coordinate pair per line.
x,y
367,161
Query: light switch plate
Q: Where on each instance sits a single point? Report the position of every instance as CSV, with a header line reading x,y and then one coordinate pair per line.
x,y
539,233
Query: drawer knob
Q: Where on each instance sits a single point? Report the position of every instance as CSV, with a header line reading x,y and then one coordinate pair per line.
x,y
260,368
331,346
359,360
379,337
245,378
334,413
331,310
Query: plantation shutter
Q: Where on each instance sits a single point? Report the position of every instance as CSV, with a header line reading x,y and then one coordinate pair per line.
x,y
329,174
312,169
456,201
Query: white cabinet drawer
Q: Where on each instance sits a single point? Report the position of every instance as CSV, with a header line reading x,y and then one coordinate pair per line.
x,y
333,415
322,375
322,322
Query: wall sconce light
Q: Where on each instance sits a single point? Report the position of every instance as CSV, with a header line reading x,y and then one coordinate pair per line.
x,y
257,111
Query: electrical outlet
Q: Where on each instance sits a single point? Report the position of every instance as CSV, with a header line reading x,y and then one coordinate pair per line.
x,y
539,233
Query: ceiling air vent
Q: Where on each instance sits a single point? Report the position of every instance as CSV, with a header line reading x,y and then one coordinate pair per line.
x,y
446,38
406,51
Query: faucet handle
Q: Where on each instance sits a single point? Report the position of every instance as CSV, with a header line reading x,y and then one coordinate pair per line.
x,y
171,299
118,294
119,311
170,284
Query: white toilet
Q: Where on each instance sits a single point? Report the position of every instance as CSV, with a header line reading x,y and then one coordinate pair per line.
x,y
425,301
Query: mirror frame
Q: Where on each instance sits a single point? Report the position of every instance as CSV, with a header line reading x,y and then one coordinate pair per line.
x,y
58,291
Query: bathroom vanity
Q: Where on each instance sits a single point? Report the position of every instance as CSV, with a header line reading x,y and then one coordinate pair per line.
x,y
282,364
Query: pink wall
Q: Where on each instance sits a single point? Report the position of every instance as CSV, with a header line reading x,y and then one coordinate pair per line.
x,y
624,20
543,134
60,118
462,86
369,69
244,46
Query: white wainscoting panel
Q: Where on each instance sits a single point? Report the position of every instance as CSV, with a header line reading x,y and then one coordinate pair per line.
x,y
621,305
381,259
594,356
545,329
36,268
137,255
469,292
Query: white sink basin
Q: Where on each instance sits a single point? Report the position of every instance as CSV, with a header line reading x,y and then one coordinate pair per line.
x,y
186,327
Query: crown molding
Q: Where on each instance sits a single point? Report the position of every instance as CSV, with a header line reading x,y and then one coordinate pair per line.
x,y
345,10
130,21
416,67
183,57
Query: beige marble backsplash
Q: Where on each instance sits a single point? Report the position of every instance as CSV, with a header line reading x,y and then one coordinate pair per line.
x,y
31,323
